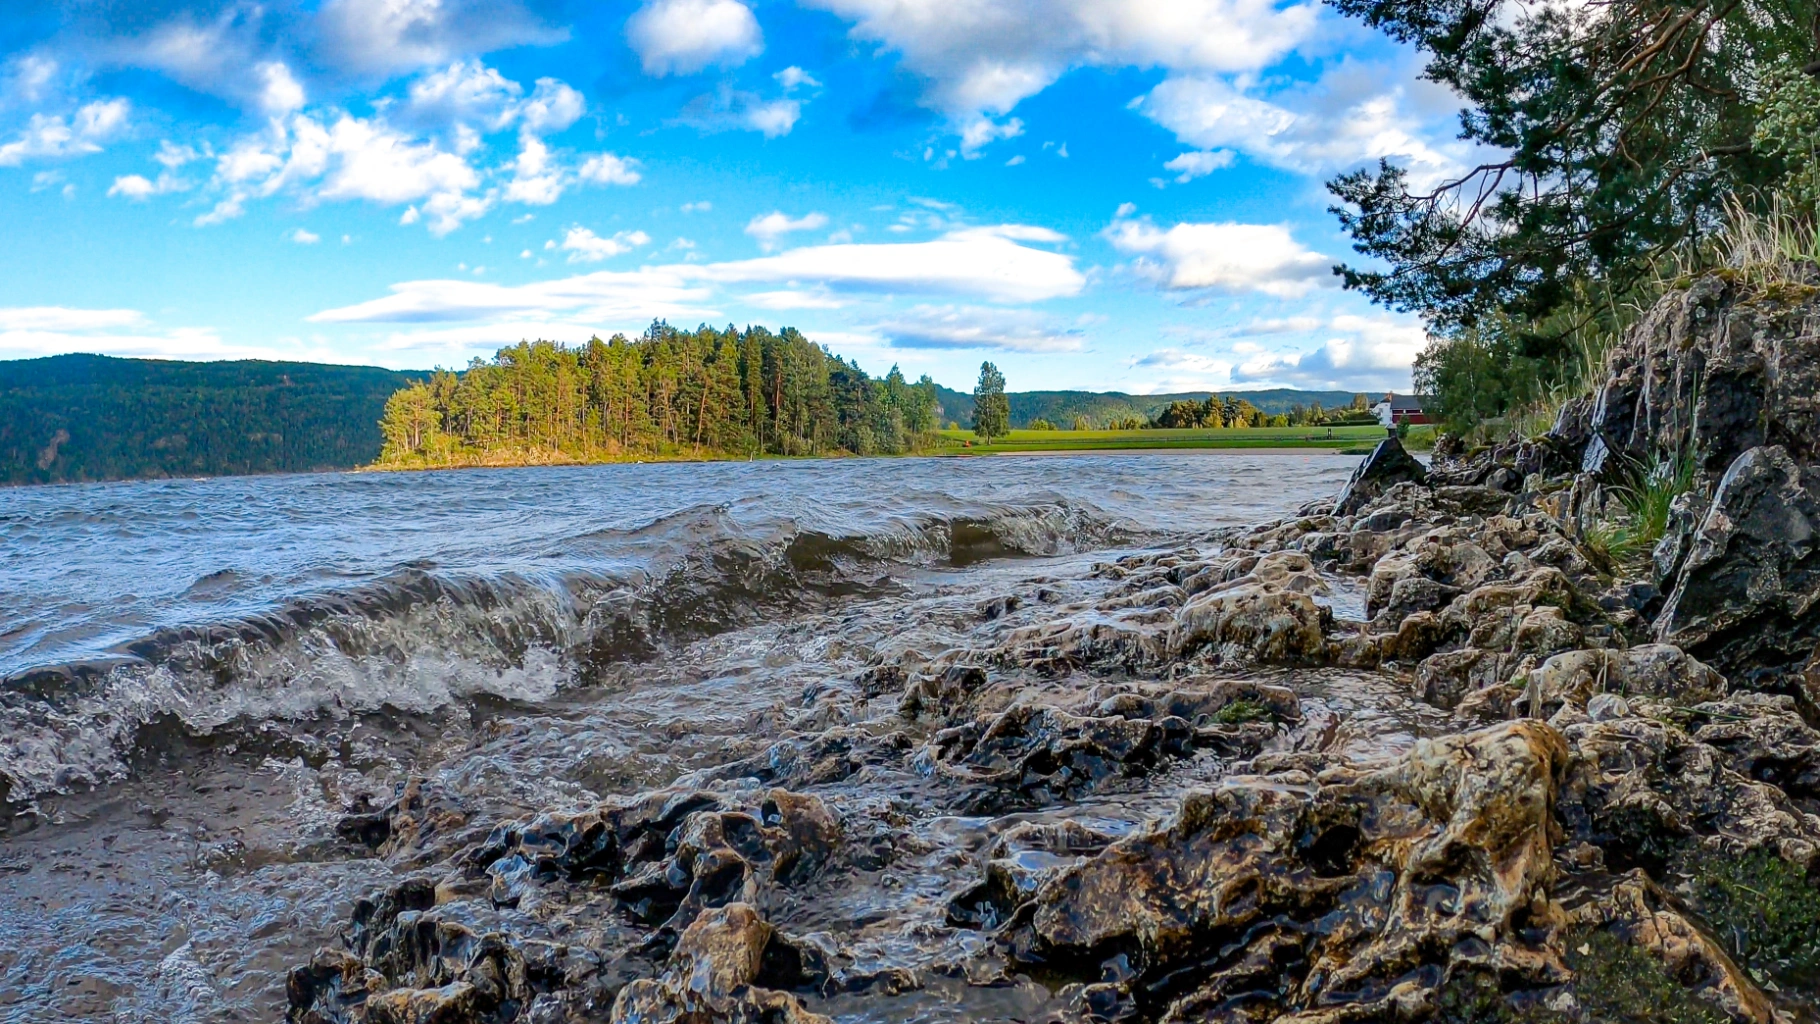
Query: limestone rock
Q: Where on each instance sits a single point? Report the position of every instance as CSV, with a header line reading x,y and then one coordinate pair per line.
x,y
1387,465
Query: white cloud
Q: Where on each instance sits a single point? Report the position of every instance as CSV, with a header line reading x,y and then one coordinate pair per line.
x,y
607,169
1362,354
304,237
1347,118
1225,257
50,137
774,225
975,327
793,76
793,298
29,76
470,93
701,207
981,131
985,56
584,246
1199,164
728,108
536,180
381,37
137,187
979,263
552,107
684,36
171,156
465,92
32,331
350,159
279,92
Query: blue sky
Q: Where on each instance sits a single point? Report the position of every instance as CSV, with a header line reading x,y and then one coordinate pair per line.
x,y
1093,194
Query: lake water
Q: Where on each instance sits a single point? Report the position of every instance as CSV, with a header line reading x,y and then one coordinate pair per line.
x,y
201,676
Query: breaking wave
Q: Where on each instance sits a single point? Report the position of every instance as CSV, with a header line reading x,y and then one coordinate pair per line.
x,y
419,639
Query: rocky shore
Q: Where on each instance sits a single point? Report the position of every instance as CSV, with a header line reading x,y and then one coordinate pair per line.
x,y
1420,752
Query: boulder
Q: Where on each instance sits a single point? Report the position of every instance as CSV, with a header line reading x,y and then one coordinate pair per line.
x,y
1387,465
1745,599
1265,623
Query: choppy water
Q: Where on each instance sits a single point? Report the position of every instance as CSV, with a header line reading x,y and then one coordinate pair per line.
x,y
201,675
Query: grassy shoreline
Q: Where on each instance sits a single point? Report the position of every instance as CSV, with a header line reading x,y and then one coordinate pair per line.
x,y
962,442
957,443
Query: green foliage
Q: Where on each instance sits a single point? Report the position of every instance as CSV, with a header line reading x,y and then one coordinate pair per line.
x,y
1788,129
991,409
1240,711
669,392
1644,497
1763,908
84,417
1041,424
1620,131
1615,982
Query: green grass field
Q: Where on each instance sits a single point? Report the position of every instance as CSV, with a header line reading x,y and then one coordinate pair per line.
x,y
963,442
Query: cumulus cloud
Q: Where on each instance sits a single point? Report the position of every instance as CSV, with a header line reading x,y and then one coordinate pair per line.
x,y
52,137
350,158
470,93
381,37
607,169
976,327
682,37
1225,256
793,77
1192,165
981,132
278,91
1347,352
1361,353
979,263
1347,118
138,187
984,56
536,180
303,236
774,225
584,246
733,109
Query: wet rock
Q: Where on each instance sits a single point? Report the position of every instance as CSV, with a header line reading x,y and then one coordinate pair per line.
x,y
1262,621
1020,861
714,976
1031,755
1388,464
1278,896
1745,600
668,855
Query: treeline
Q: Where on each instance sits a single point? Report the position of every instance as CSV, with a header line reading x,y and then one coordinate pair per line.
x,y
1230,411
1113,410
87,417
668,393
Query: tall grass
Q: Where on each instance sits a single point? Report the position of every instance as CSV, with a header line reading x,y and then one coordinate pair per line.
x,y
1644,497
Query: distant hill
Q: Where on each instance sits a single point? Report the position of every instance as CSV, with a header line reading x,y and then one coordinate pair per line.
x,y
1061,407
83,417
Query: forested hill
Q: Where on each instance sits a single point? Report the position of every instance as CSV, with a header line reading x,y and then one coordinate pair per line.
x,y
1103,407
84,417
